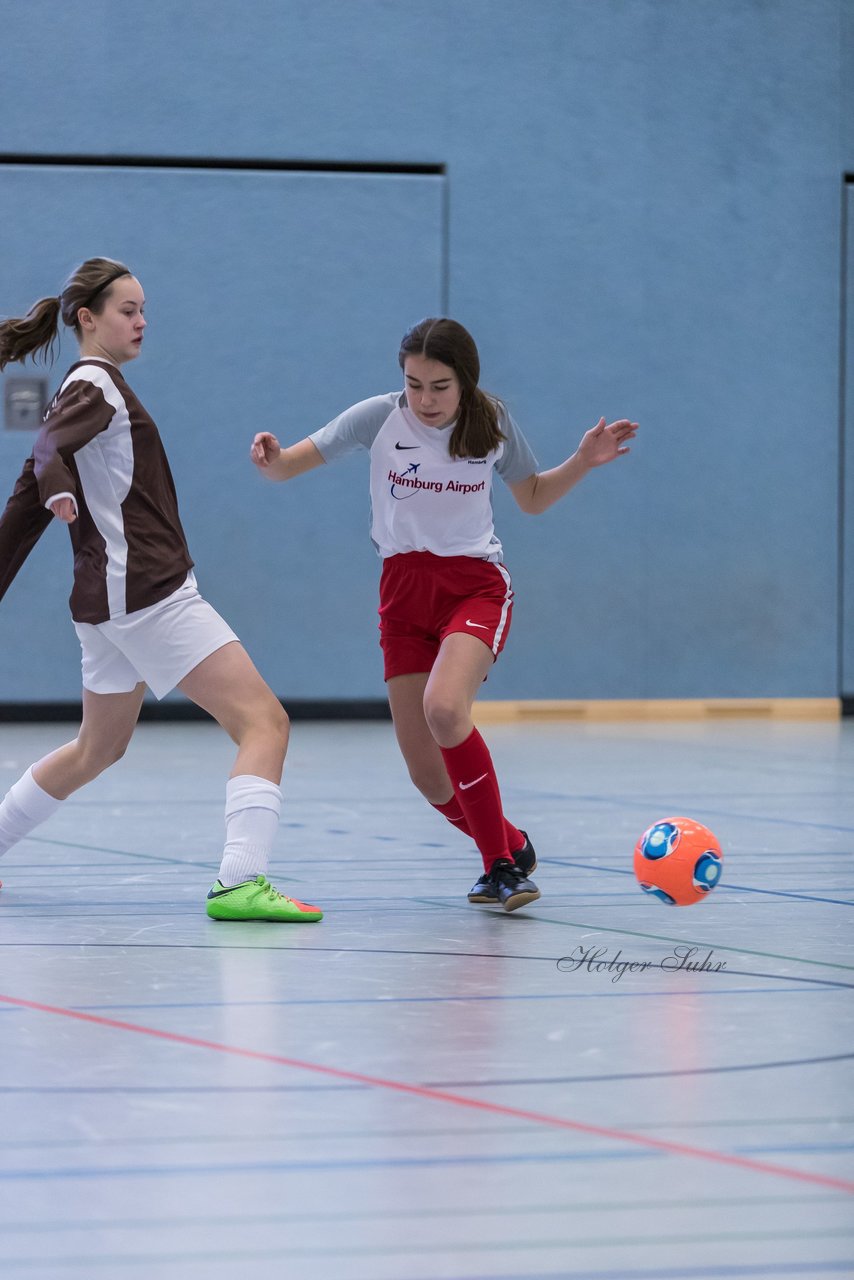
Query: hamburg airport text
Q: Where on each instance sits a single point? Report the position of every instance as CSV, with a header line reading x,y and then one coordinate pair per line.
x,y
434,486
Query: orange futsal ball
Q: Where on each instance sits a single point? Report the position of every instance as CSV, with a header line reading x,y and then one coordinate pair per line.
x,y
678,861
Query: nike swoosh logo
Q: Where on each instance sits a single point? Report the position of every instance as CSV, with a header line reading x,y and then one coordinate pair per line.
x,y
464,786
469,623
218,893
407,446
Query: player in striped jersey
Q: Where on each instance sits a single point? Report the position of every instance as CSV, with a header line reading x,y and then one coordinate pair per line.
x,y
445,595
99,466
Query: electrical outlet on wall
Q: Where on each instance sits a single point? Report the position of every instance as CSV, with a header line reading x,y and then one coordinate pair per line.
x,y
24,403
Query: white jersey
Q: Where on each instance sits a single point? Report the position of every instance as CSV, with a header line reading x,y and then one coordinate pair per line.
x,y
421,498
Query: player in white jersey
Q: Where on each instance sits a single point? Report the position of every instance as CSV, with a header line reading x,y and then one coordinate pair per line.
x,y
98,465
445,596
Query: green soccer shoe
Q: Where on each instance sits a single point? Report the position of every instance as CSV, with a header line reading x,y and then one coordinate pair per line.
x,y
257,900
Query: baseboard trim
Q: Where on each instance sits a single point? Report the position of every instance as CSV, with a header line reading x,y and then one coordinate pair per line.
x,y
184,711
659,709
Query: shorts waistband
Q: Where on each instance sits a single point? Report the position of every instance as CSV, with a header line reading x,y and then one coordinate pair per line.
x,y
430,557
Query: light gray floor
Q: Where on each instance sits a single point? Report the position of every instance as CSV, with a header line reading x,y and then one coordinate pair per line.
x,y
308,1112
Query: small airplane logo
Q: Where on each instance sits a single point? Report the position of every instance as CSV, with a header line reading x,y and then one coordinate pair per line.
x,y
412,469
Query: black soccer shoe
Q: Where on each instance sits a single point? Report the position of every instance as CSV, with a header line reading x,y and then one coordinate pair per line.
x,y
509,885
525,858
514,888
484,891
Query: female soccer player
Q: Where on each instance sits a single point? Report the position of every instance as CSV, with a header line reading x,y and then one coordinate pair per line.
x,y
99,466
445,595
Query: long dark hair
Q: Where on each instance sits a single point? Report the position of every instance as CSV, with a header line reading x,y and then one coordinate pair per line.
x,y
88,286
477,431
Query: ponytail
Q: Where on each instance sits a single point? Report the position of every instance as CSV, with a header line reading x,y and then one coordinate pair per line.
x,y
477,431
89,286
33,333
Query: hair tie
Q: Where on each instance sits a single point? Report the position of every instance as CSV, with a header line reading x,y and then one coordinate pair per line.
x,y
101,287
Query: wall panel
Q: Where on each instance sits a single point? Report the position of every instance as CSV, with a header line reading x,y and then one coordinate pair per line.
x,y
273,300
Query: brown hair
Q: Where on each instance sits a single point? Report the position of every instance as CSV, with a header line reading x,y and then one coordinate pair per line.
x,y
477,431
36,332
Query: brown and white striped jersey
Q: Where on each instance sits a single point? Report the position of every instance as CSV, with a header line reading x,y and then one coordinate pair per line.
x,y
98,446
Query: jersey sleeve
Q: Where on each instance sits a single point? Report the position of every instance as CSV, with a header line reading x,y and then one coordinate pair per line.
x,y
517,460
77,415
355,428
21,525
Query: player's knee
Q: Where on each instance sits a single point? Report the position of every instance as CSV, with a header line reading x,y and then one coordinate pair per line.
x,y
431,782
283,725
276,722
95,757
444,716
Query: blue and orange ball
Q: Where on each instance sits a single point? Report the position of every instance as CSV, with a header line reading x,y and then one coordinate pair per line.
x,y
678,861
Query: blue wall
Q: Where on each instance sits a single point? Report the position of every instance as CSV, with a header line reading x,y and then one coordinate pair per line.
x,y
643,218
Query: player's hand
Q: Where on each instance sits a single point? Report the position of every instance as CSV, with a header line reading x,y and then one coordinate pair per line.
x,y
265,449
64,510
603,443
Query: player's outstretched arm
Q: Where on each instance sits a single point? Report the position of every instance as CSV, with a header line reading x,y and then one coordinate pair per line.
x,y
22,523
602,443
283,464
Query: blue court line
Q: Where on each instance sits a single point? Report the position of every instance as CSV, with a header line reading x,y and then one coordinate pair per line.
x,y
178,1088
380,1001
380,1210
724,884
603,1078
86,905
282,870
194,1089
323,1166
641,1075
452,859
734,1271
621,802
249,1256
402,951
824,1147
559,895
138,908
122,853
66,911
398,1135
743,855
565,891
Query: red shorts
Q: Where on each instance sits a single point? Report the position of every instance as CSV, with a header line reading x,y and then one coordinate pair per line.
x,y
424,598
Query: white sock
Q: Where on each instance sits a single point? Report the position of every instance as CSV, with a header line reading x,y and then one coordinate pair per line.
x,y
25,806
252,808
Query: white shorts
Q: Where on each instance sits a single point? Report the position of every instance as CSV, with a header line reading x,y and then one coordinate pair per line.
x,y
158,645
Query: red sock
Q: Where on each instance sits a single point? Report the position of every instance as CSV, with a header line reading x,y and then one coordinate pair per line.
x,y
472,775
454,814
515,839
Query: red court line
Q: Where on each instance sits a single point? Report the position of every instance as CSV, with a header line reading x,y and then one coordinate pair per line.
x,y
441,1095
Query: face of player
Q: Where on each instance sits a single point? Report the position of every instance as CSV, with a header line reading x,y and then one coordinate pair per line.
x,y
116,333
432,390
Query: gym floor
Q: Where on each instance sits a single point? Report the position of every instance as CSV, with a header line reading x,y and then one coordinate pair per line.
x,y
417,1088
